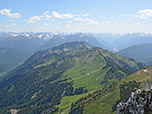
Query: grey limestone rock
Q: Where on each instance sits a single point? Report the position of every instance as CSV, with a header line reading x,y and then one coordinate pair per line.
x,y
139,102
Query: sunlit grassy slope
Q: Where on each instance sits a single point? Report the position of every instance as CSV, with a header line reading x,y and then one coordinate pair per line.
x,y
64,79
103,103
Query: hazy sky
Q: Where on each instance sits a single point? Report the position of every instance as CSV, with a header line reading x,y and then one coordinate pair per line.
x,y
116,16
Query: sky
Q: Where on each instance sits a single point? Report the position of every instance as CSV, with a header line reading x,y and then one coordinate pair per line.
x,y
94,16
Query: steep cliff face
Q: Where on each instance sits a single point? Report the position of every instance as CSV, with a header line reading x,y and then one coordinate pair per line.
x,y
139,102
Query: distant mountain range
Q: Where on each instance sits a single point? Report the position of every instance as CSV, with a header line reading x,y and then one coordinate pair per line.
x,y
60,39
107,40
65,79
24,43
128,40
140,53
28,43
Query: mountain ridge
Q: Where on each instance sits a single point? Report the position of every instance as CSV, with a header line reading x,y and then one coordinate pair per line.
x,y
68,73
138,52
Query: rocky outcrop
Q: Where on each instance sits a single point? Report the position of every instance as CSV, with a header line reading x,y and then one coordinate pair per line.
x,y
13,111
139,102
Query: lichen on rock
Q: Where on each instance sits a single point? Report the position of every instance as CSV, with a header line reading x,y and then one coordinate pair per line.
x,y
139,102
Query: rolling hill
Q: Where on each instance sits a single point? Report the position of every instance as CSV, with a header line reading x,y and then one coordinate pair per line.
x,y
140,53
63,79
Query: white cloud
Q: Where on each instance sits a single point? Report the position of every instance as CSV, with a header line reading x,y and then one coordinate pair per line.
x,y
85,15
92,22
68,15
62,16
79,19
88,21
56,15
33,19
144,13
46,15
7,12
82,15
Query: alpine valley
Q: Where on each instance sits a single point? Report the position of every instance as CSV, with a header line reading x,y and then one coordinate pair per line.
x,y
72,78
75,56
